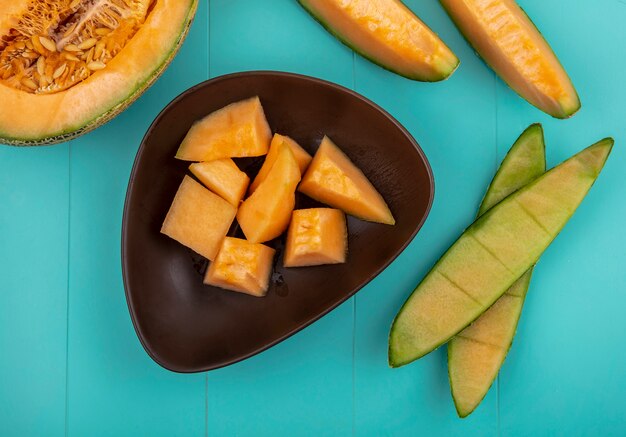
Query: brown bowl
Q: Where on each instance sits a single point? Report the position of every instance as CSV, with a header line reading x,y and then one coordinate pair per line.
x,y
186,326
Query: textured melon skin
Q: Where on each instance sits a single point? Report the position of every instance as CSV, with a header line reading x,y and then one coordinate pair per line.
x,y
108,113
435,77
431,316
473,362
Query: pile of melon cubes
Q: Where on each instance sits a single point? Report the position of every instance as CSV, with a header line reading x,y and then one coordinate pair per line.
x,y
202,213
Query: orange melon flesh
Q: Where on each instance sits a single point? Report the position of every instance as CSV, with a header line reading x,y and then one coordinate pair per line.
x,y
265,214
223,177
334,180
29,119
510,43
241,266
198,218
316,236
302,158
237,130
387,33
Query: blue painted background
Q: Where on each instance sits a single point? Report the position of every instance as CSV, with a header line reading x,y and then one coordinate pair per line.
x,y
70,363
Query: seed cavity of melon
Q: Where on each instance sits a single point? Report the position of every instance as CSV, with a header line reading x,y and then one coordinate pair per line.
x,y
56,44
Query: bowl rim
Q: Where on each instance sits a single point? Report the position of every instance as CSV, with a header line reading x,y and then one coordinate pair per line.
x,y
298,328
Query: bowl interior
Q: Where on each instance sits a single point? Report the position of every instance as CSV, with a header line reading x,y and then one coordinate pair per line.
x,y
186,326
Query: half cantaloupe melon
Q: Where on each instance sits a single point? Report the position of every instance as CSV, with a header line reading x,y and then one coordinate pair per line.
x,y
334,180
316,236
68,66
236,131
509,42
266,213
241,266
302,158
387,33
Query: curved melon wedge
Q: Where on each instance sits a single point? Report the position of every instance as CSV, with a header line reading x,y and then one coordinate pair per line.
x,y
266,213
33,119
476,354
493,253
387,33
506,38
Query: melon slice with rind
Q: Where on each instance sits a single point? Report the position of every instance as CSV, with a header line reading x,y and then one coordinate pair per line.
x,y
387,33
476,354
506,38
493,253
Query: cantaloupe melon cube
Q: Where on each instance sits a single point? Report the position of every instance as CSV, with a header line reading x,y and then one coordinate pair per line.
x,y
316,236
241,266
334,180
266,213
237,130
302,158
223,177
198,218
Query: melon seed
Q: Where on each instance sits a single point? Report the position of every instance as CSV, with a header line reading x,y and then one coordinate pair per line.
x,y
96,65
71,48
30,55
59,71
48,43
90,55
87,44
101,31
41,65
28,83
98,50
69,30
37,45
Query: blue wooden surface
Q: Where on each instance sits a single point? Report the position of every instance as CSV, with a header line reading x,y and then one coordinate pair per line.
x,y
70,363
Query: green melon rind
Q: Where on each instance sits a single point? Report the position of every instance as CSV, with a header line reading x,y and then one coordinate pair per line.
x,y
592,159
522,283
525,161
74,132
568,112
435,78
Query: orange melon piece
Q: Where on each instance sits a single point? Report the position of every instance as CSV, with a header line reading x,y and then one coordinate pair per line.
x,y
334,180
506,38
316,236
223,177
237,130
241,266
198,218
302,158
265,214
